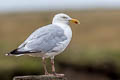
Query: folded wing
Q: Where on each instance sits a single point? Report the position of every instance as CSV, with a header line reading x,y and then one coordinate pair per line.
x,y
42,40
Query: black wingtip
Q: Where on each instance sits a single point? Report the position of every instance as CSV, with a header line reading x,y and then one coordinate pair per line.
x,y
14,52
17,52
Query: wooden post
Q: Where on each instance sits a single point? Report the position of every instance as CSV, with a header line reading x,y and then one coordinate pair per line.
x,y
39,77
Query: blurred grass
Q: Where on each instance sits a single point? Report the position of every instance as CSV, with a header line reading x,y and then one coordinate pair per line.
x,y
95,41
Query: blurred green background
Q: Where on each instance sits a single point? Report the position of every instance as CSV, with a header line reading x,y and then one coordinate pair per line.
x,y
94,49
94,52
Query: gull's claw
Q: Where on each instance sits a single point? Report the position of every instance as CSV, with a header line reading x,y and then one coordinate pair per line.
x,y
58,75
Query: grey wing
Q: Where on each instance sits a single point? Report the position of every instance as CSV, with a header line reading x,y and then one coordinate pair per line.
x,y
44,39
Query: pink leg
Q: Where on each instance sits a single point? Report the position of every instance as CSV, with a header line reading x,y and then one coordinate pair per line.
x,y
53,69
44,65
53,66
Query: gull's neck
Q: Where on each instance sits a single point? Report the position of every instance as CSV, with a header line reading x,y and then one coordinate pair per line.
x,y
55,21
62,24
66,28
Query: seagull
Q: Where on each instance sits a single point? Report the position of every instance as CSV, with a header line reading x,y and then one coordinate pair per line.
x,y
48,41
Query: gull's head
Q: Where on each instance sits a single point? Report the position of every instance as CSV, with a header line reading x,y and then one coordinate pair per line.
x,y
63,18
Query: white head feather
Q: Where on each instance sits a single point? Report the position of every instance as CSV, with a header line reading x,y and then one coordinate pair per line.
x,y
61,18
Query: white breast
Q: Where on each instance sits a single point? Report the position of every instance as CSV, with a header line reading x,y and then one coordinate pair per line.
x,y
67,30
68,33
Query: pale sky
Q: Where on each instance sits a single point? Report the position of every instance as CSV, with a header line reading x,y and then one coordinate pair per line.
x,y
28,5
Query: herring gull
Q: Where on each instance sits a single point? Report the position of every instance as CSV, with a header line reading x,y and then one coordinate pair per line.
x,y
48,41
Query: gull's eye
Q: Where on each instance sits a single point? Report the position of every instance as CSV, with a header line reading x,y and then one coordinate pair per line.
x,y
64,17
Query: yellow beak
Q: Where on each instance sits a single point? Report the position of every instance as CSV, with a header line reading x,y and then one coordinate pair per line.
x,y
75,21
